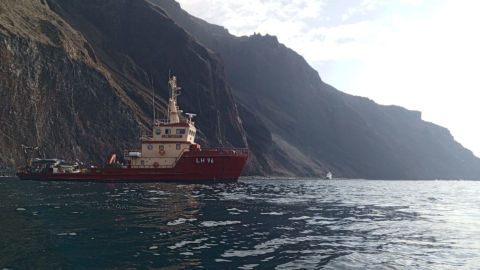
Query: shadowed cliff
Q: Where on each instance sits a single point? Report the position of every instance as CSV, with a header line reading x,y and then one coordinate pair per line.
x,y
314,127
76,75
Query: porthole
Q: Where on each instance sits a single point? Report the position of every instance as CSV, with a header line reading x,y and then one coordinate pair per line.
x,y
150,147
158,131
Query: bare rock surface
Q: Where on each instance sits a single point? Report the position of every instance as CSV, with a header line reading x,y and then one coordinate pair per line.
x,y
75,80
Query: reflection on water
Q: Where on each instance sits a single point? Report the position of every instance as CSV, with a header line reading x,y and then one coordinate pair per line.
x,y
257,224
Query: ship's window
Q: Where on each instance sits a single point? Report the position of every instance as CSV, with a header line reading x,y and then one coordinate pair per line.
x,y
143,162
158,131
168,131
178,146
150,147
181,131
160,147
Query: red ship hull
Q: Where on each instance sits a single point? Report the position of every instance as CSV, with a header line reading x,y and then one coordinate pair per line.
x,y
197,166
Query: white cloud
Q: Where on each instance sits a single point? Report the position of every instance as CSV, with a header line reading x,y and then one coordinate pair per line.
x,y
349,13
412,2
248,16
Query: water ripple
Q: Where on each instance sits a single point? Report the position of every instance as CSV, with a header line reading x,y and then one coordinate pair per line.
x,y
255,224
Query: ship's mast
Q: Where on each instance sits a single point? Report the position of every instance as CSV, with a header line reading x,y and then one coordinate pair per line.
x,y
173,110
153,101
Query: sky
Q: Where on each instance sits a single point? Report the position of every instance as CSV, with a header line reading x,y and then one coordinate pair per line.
x,y
423,55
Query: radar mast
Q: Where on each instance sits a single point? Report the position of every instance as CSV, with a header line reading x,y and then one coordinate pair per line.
x,y
173,110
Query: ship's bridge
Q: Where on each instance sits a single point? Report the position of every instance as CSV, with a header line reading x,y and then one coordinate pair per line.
x,y
184,131
170,138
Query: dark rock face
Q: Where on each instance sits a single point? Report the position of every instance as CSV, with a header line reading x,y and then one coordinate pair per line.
x,y
75,79
134,38
314,128
53,95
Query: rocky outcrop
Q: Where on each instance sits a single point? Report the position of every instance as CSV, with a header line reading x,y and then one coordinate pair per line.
x,y
54,95
76,75
315,128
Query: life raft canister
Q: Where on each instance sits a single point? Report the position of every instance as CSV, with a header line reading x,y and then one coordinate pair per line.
x,y
161,152
155,164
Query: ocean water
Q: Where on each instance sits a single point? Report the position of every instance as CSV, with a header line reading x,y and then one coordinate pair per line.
x,y
252,224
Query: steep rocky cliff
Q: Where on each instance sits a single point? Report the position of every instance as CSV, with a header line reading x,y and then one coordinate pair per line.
x,y
314,128
75,79
53,92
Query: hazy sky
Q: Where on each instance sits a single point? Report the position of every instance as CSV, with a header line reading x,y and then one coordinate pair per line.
x,y
420,54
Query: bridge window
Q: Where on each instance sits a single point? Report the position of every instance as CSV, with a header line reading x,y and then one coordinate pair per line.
x,y
178,146
168,131
181,131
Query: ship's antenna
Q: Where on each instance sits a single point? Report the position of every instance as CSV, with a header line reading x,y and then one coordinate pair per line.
x,y
153,99
168,107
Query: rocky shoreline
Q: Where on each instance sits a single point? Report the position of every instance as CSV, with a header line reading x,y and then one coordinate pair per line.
x,y
7,171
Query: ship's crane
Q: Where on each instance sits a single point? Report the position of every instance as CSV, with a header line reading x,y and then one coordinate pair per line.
x,y
29,153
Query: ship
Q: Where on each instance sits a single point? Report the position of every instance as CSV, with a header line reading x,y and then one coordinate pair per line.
x,y
170,154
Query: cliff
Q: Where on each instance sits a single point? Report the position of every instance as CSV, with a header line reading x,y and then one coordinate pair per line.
x,y
314,128
75,80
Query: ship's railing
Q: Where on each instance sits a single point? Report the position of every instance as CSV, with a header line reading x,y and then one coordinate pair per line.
x,y
148,166
159,122
227,150
125,166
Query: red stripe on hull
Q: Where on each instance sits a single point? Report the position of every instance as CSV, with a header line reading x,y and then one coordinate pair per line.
x,y
192,167
181,142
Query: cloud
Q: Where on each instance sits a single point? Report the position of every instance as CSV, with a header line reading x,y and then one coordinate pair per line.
x,y
365,6
412,2
248,16
349,13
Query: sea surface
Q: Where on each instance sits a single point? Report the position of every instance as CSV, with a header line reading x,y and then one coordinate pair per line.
x,y
252,224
